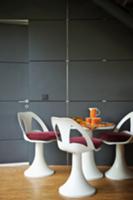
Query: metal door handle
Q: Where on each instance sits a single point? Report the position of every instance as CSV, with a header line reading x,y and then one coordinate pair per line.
x,y
24,101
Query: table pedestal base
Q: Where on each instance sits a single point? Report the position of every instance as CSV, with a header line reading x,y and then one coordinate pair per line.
x,y
89,167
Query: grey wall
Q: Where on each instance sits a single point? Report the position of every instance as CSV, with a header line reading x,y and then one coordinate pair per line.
x,y
74,54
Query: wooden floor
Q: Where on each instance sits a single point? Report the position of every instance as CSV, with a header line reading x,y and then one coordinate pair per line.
x,y
15,186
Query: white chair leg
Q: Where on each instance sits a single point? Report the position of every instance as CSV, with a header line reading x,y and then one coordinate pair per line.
x,y
76,185
119,169
89,167
39,167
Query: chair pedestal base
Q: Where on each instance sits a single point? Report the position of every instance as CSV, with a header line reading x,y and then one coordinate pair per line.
x,y
89,167
119,170
39,167
76,185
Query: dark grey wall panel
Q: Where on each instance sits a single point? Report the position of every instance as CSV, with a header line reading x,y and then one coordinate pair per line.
x,y
47,78
47,40
48,9
9,127
101,80
84,9
13,43
129,155
33,9
46,110
105,156
14,9
100,39
54,155
13,151
13,81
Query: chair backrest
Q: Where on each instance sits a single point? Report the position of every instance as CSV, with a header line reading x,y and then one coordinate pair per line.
x,y
129,117
25,121
64,126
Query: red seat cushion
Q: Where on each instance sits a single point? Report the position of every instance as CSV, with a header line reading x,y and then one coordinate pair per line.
x,y
97,142
48,135
115,136
81,140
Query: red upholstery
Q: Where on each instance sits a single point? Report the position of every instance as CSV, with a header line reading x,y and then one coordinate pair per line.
x,y
97,142
114,136
49,135
81,140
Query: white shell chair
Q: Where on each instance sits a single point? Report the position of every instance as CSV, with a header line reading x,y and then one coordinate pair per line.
x,y
119,169
39,167
76,185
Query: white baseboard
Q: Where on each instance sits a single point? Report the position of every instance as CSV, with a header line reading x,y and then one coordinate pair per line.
x,y
13,164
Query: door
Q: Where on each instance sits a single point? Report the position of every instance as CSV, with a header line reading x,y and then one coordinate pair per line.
x,y
14,67
29,83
